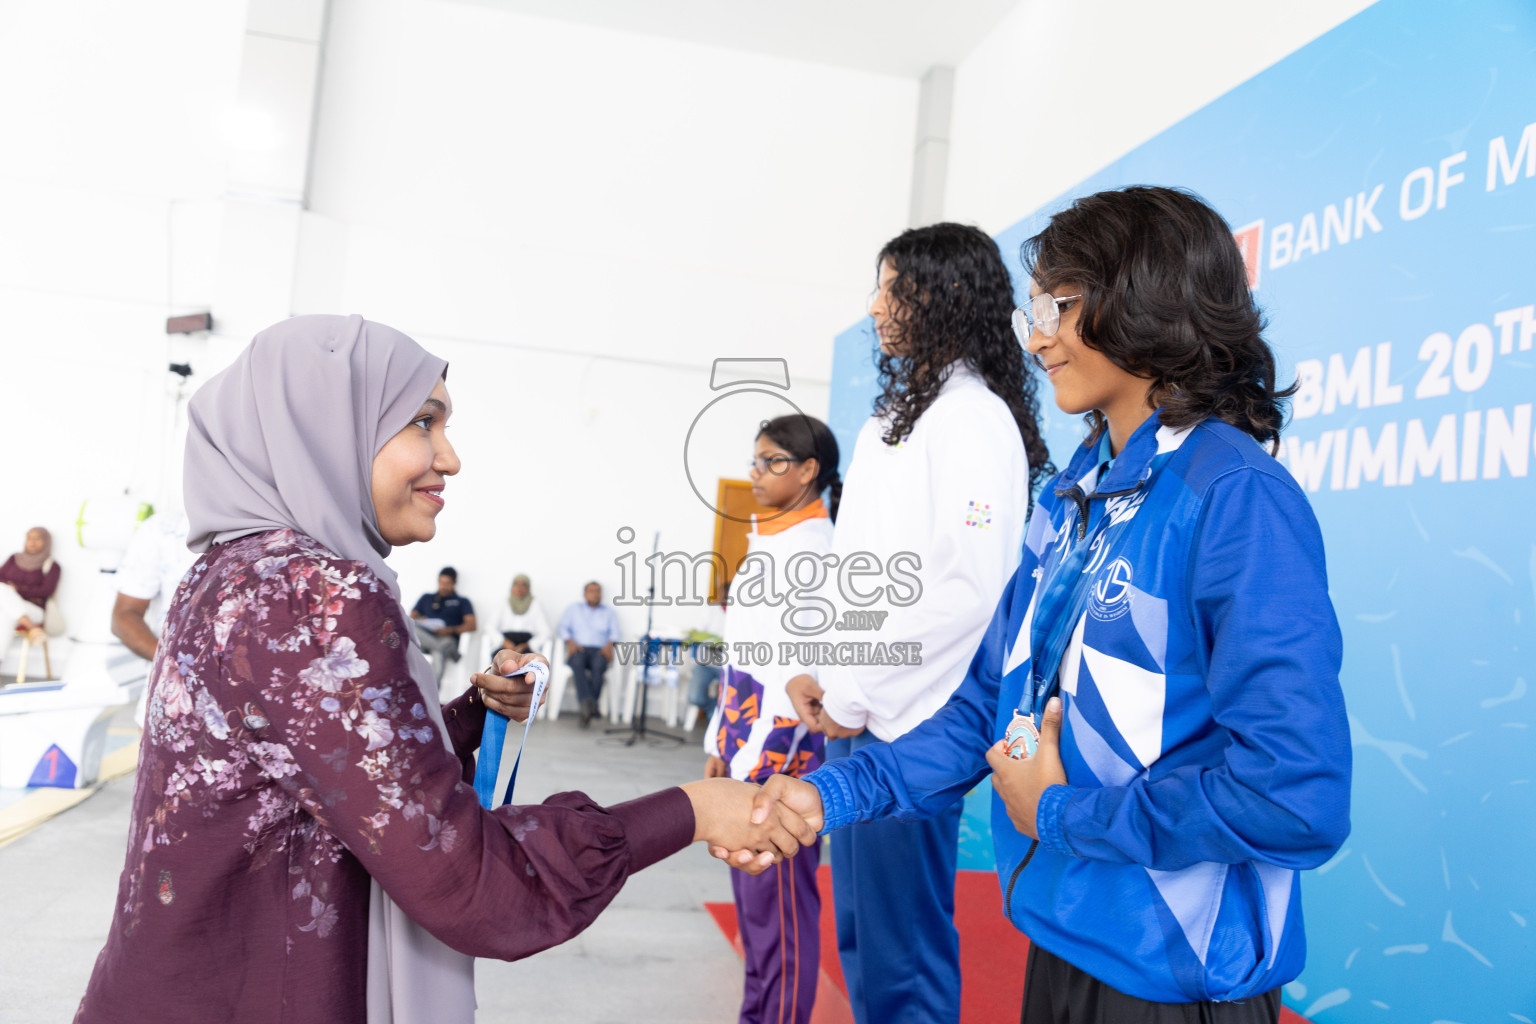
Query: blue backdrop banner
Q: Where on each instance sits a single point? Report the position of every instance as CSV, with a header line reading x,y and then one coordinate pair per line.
x,y
1382,185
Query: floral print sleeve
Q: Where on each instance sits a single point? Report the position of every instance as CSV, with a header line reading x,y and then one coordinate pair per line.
x,y
348,736
289,755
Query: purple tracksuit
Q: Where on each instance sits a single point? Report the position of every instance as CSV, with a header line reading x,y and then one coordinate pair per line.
x,y
779,912
755,731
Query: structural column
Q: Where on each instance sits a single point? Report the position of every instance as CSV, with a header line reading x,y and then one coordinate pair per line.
x,y
930,157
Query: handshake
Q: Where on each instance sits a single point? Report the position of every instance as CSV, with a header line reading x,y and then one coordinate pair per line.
x,y
751,827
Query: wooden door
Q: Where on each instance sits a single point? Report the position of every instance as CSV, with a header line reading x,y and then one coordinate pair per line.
x,y
734,498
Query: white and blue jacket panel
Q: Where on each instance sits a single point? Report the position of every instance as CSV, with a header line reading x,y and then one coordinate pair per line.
x,y
1204,736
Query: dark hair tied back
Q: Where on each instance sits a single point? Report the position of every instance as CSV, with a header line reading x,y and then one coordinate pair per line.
x,y
806,437
1165,297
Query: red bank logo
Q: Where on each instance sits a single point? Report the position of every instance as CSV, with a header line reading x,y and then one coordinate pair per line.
x,y
1250,242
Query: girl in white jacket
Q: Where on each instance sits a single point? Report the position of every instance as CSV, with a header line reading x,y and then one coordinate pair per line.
x,y
939,487
755,732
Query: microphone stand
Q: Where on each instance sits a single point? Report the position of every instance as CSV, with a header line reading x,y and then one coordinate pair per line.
x,y
650,652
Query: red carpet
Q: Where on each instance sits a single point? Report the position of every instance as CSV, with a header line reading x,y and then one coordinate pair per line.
x,y
992,954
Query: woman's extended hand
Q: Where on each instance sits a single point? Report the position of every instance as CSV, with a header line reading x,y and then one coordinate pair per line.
x,y
724,817
1020,784
511,695
788,800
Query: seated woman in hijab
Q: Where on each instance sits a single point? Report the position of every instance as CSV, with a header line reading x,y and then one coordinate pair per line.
x,y
27,580
521,621
303,845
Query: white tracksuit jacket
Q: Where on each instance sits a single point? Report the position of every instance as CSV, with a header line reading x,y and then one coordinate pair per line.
x,y
955,494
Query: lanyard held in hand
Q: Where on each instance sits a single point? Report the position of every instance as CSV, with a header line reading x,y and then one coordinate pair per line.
x,y
494,736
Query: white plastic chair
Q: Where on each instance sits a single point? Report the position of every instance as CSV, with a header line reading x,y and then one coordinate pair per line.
x,y
667,676
561,677
611,703
456,675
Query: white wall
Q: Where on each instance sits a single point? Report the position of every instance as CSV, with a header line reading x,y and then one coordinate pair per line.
x,y
1058,90
581,220
551,473
110,170
534,182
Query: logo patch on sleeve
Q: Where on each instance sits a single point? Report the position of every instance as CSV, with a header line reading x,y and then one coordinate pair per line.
x,y
978,515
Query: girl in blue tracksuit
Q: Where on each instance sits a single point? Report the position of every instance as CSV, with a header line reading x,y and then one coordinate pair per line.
x,y
1157,695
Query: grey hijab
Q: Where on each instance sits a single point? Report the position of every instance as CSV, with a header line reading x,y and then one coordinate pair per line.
x,y
39,561
520,605
285,438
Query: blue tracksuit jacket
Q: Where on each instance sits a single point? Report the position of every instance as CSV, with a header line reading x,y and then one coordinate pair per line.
x,y
1204,737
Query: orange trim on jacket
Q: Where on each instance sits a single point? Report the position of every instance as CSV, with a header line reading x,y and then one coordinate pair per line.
x,y
784,520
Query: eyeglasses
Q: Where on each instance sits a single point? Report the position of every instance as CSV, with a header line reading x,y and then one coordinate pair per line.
x,y
771,465
1043,314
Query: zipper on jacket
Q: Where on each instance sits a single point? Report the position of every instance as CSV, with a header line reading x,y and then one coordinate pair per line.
x,y
1081,501
1008,896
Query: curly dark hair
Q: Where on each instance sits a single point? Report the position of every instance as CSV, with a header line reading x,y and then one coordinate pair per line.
x,y
1165,297
806,437
953,301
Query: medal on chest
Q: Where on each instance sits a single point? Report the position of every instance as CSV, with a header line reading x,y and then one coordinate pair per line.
x,y
1022,738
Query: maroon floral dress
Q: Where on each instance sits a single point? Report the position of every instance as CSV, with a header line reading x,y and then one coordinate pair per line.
x,y
287,757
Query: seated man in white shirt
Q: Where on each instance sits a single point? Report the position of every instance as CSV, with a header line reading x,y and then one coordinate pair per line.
x,y
152,567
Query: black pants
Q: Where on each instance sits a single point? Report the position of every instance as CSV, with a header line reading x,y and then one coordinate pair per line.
x,y
1055,992
588,665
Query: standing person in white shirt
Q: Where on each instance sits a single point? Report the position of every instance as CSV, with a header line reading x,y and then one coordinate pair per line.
x,y
152,567
521,621
939,484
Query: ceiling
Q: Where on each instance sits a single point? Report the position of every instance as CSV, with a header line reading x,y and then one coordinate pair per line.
x,y
890,37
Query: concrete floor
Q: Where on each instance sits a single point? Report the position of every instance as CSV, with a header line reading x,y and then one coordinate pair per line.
x,y
654,955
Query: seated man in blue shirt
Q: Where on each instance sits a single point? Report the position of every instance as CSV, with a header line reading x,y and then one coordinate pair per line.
x,y
440,618
589,629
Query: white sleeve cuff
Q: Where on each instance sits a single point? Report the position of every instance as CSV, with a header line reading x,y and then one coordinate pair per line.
x,y
845,713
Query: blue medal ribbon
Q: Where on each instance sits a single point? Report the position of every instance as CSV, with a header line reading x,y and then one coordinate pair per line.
x,y
493,737
1065,576
1066,579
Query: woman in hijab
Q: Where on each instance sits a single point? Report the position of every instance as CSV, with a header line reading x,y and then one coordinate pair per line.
x,y
30,577
521,622
303,846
